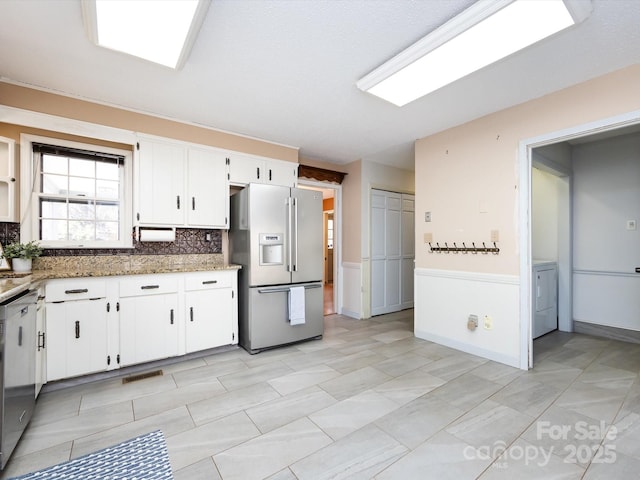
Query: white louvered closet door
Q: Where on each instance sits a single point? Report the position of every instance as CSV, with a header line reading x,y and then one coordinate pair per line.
x,y
386,252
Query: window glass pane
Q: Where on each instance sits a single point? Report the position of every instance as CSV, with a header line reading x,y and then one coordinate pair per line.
x,y
82,168
53,229
53,209
81,231
107,189
54,164
107,231
82,186
106,211
55,184
82,211
107,171
70,184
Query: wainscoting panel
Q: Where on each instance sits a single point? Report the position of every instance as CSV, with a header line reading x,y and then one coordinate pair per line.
x,y
445,299
352,291
607,298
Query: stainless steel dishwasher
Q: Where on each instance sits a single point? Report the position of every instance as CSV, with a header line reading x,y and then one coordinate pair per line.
x,y
17,369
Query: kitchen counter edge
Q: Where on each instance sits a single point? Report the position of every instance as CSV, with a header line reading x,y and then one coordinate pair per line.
x,y
12,286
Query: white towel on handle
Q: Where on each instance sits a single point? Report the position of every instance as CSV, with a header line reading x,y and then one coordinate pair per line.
x,y
296,305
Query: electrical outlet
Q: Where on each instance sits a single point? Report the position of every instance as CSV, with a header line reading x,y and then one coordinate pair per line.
x,y
472,322
488,322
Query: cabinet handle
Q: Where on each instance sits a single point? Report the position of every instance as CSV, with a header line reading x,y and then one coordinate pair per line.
x,y
193,203
41,336
77,290
269,174
77,328
20,336
178,201
171,316
209,282
191,313
149,287
258,172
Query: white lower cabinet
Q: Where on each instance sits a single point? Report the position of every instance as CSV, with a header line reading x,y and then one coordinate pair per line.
x,y
76,338
102,323
210,310
41,342
76,327
148,328
148,318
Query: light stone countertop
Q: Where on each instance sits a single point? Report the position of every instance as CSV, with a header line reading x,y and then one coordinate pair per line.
x,y
49,268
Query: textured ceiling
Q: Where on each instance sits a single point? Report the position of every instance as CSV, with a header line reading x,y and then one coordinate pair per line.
x,y
285,71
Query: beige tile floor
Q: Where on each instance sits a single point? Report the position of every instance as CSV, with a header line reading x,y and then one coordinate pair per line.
x,y
367,401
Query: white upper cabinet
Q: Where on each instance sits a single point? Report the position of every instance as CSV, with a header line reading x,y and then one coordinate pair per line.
x,y
7,181
179,184
208,188
160,183
245,169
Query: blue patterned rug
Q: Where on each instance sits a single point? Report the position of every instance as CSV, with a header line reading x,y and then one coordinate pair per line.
x,y
142,458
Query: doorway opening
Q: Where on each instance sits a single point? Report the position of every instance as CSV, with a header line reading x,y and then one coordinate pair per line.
x,y
583,231
329,306
331,197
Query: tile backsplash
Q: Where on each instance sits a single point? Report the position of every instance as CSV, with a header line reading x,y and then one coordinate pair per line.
x,y
9,232
188,241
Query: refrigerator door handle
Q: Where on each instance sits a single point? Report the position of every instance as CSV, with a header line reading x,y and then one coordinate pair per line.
x,y
286,289
290,235
295,236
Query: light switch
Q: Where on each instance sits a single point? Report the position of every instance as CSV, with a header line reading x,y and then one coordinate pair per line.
x,y
631,225
428,237
427,216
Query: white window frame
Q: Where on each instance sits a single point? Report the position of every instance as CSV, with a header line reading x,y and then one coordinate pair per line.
x,y
30,184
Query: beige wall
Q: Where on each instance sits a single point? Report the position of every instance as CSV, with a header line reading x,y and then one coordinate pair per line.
x,y
383,177
467,176
351,208
44,102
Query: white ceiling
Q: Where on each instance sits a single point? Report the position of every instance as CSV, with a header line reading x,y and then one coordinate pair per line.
x,y
285,70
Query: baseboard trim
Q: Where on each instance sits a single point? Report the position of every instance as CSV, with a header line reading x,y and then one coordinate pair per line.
x,y
349,313
467,348
614,333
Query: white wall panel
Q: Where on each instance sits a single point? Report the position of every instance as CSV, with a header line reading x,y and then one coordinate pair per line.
x,y
445,299
352,290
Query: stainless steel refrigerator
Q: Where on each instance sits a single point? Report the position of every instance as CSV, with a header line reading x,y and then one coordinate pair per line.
x,y
276,235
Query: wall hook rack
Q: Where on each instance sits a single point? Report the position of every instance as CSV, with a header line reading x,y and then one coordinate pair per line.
x,y
484,249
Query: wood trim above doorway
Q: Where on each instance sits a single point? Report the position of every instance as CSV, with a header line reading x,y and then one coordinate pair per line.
x,y
320,174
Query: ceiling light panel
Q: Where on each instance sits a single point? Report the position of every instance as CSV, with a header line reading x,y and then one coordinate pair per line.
x,y
483,34
161,31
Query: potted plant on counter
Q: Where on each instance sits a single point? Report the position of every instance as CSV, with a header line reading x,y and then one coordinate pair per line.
x,y
22,254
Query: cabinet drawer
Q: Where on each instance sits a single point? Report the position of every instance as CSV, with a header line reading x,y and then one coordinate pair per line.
x,y
207,280
75,289
139,285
